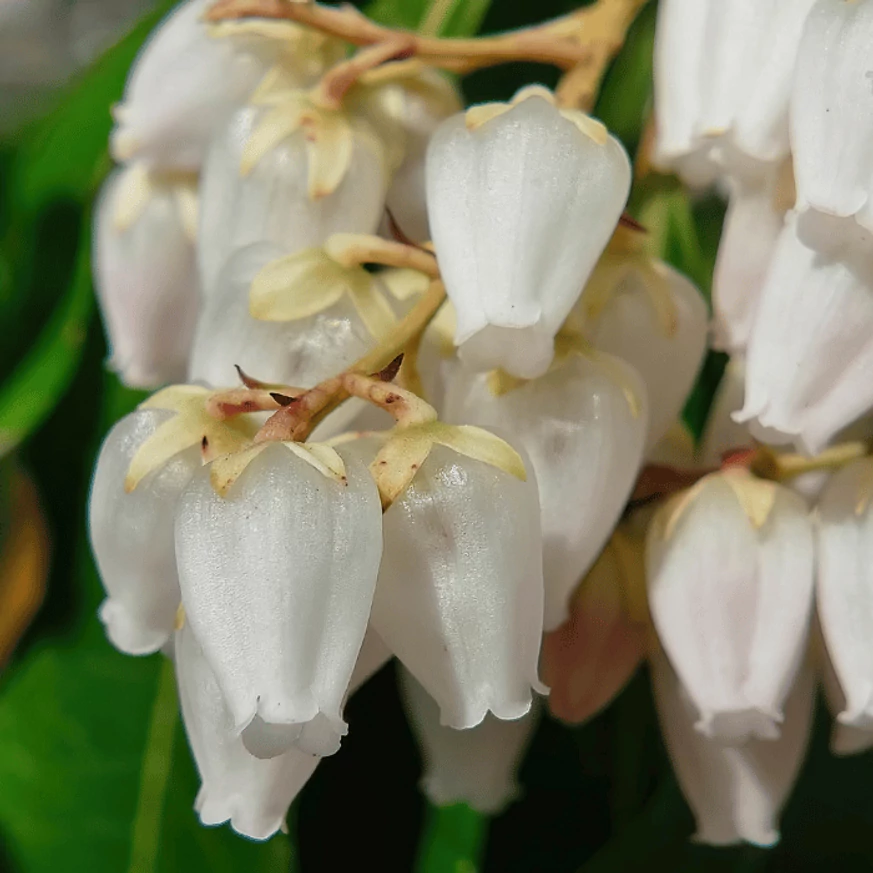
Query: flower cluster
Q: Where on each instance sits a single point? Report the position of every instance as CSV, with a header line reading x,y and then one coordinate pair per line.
x,y
422,363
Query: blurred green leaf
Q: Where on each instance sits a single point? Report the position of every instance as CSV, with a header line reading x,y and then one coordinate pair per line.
x,y
453,840
33,389
94,770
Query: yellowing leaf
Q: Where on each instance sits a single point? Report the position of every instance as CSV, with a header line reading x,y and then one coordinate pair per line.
x,y
190,426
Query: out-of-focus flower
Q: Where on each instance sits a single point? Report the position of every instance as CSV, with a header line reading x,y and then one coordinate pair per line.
x,y
730,578
145,273
477,766
736,792
522,199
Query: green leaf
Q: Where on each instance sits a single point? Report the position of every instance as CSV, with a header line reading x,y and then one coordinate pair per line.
x,y
453,840
44,374
94,769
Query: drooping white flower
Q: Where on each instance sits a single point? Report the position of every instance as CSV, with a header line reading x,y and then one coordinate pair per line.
x,y
811,347
300,353
661,333
459,598
253,794
845,739
132,536
730,579
751,229
736,792
845,586
277,576
723,73
583,425
832,112
477,766
272,199
522,199
722,435
145,273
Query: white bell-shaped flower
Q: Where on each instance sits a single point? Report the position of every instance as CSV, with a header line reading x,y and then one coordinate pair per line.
x,y
583,425
832,112
735,792
521,205
477,766
845,586
271,200
845,739
751,229
663,340
723,73
300,353
730,578
722,435
183,88
132,536
460,594
277,577
145,273
251,793
811,348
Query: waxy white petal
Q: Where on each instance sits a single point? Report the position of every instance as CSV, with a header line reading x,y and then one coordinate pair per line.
x,y
145,276
730,592
459,598
811,349
585,442
271,203
735,792
277,578
520,209
132,536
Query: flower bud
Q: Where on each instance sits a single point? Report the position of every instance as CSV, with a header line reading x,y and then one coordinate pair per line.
x,y
844,594
722,83
663,338
132,536
271,199
521,205
730,579
832,112
299,353
736,792
277,576
812,344
477,766
583,425
251,793
459,599
145,273
590,658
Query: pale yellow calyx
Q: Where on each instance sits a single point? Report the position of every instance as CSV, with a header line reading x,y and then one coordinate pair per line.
x,y
407,448
595,130
329,136
227,469
670,514
179,623
404,283
756,496
190,426
309,282
500,382
188,207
